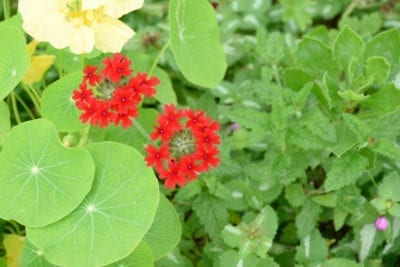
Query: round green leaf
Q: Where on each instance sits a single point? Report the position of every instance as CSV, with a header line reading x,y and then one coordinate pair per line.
x,y
5,123
58,105
195,42
113,218
14,59
31,256
41,181
165,232
140,257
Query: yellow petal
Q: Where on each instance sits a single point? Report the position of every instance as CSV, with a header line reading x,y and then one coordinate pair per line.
x,y
39,65
117,8
13,245
111,34
32,47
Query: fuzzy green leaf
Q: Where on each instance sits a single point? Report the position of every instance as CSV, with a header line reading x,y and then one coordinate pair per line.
x,y
294,193
383,102
345,170
347,45
390,187
338,262
386,45
307,218
313,249
377,68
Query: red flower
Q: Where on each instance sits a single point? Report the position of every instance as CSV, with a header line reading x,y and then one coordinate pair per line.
x,y
116,67
89,75
107,98
185,151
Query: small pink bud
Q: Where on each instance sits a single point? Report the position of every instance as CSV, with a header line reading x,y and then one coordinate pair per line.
x,y
381,223
234,127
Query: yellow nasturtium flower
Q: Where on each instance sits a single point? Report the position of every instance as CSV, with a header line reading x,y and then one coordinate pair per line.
x,y
80,25
38,66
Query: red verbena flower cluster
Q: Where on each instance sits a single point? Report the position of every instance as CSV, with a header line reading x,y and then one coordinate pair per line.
x,y
111,94
188,145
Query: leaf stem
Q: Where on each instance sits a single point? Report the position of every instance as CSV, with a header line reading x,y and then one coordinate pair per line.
x,y
141,130
372,179
6,9
23,104
350,9
84,137
155,62
15,108
33,95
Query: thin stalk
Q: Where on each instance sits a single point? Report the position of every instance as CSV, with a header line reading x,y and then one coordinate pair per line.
x,y
157,59
350,9
6,9
372,179
15,108
84,137
33,95
23,104
141,130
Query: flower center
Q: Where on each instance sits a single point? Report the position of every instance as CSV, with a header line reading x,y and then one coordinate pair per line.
x,y
182,143
105,90
74,13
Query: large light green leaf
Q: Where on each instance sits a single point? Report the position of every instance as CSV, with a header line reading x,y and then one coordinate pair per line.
x,y
58,105
140,257
165,232
14,59
5,123
195,42
32,256
345,170
383,102
113,218
41,181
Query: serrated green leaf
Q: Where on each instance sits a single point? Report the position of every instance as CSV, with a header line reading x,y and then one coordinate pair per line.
x,y
294,193
385,44
368,24
358,127
300,98
196,46
320,126
348,45
346,139
313,249
316,58
188,191
339,216
383,102
212,213
232,258
366,238
388,149
352,96
297,11
233,236
345,171
58,105
296,79
305,221
389,188
377,68
338,262
328,200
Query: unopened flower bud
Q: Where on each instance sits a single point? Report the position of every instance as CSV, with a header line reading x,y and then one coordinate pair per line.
x,y
381,223
234,127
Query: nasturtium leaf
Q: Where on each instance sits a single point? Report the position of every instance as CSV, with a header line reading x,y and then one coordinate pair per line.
x,y
113,218
5,123
385,44
340,262
65,61
137,135
195,42
377,68
32,256
14,22
58,105
345,171
14,59
316,58
347,45
313,249
383,102
140,257
41,181
165,232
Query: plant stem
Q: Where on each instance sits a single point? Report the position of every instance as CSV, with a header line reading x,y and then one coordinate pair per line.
x,y
23,104
350,9
141,130
6,9
372,179
33,95
155,62
15,108
84,137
